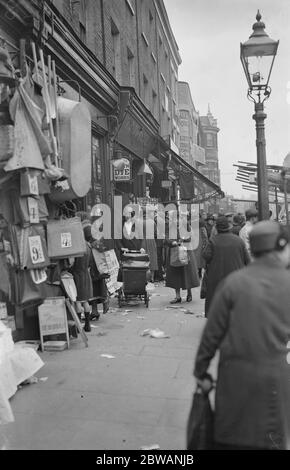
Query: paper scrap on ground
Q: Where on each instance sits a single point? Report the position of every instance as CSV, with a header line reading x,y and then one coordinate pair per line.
x,y
94,326
108,356
150,287
31,380
153,446
155,333
186,311
140,318
43,379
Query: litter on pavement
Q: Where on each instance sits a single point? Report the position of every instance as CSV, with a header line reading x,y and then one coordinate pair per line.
x,y
155,333
108,356
140,317
150,287
43,379
30,380
186,311
153,446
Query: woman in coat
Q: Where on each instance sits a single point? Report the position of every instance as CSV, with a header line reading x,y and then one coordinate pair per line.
x,y
183,277
249,323
223,254
81,273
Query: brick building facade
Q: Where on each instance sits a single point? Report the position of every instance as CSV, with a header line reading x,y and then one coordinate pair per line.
x,y
121,58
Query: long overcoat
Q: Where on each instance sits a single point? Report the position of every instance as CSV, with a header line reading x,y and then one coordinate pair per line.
x,y
249,323
223,254
183,277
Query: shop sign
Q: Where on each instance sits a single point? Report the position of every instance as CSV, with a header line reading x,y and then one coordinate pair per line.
x,y
125,173
145,201
166,184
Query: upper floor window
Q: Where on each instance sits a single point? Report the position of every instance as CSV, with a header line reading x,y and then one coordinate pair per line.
x,y
116,42
209,140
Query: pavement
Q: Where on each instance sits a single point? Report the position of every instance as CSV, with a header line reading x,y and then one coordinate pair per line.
x,y
140,397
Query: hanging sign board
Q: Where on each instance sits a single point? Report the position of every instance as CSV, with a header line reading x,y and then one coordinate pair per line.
x,y
125,173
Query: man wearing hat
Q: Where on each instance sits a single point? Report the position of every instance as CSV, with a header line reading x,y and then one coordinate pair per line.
x,y
251,219
223,254
249,323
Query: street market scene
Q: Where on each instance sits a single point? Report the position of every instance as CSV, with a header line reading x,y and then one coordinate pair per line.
x,y
144,225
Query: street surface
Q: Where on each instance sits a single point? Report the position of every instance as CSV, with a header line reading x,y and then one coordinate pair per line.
x,y
141,397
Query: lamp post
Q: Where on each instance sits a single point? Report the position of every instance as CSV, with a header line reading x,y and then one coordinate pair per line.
x,y
257,57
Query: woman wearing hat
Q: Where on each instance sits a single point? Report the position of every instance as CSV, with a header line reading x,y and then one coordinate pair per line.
x,y
223,254
183,277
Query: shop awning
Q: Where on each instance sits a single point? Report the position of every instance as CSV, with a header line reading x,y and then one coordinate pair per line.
x,y
204,188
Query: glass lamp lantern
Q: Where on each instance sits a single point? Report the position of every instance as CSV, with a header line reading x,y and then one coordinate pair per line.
x,y
257,56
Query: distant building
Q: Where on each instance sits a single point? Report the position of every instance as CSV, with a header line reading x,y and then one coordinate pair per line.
x,y
189,149
208,132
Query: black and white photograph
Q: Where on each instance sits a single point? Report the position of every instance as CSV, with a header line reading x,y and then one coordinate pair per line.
x,y
145,229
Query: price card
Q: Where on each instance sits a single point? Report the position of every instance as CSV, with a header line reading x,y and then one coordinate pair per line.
x,y
33,210
66,240
33,185
36,251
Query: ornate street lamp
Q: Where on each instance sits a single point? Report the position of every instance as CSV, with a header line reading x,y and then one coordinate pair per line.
x,y
257,57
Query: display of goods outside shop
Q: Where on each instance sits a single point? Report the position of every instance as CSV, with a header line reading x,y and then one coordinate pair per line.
x,y
75,143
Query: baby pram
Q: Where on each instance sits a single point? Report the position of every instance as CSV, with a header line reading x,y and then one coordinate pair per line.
x,y
134,267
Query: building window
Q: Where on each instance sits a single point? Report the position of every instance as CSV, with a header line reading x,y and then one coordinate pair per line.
x,y
209,140
95,196
131,67
146,91
116,43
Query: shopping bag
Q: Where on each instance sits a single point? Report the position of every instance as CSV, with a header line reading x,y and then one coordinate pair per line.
x,y
65,238
200,425
32,248
29,210
178,256
33,183
25,293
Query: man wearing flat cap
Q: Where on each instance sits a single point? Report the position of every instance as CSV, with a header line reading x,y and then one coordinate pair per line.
x,y
249,323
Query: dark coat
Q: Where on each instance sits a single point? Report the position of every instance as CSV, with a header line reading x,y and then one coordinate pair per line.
x,y
249,323
82,277
203,240
223,254
183,277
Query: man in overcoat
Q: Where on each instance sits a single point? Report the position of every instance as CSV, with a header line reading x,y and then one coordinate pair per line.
x,y
223,254
249,323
